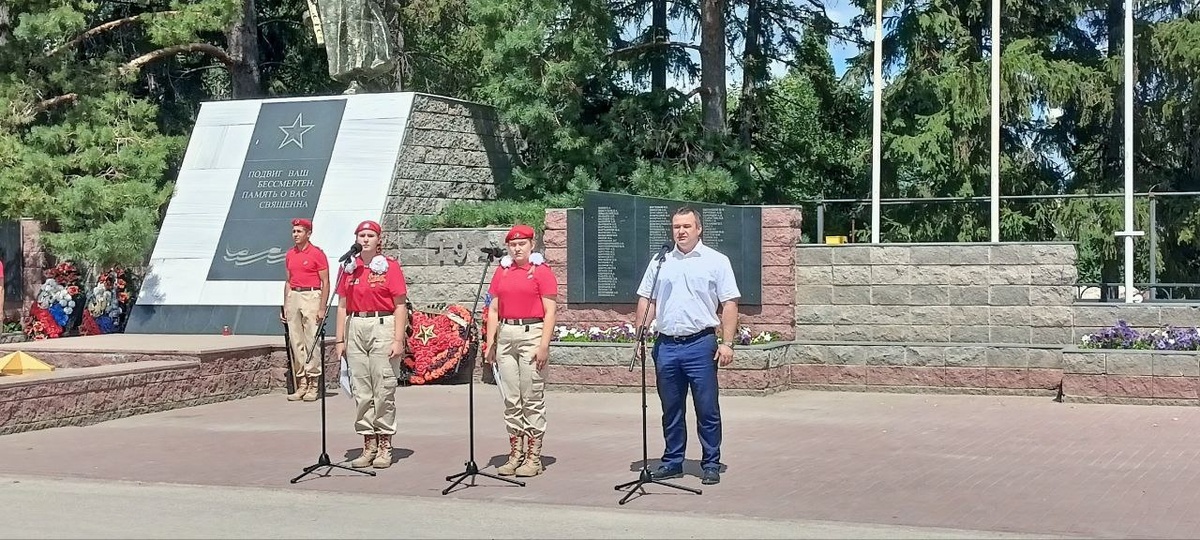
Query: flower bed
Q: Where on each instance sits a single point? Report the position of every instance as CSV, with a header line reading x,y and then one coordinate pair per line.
x,y
627,333
1122,336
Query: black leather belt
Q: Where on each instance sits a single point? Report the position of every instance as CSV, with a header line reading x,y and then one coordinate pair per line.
x,y
519,322
686,339
305,289
371,313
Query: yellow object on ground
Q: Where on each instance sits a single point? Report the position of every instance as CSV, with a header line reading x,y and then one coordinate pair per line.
x,y
20,363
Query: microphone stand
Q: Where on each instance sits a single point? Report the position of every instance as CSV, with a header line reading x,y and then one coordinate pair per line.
x,y
323,460
472,469
645,477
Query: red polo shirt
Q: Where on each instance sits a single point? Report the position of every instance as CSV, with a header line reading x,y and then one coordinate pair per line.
x,y
303,266
520,291
365,290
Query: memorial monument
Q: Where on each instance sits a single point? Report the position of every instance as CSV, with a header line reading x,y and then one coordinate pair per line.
x,y
252,166
611,240
357,40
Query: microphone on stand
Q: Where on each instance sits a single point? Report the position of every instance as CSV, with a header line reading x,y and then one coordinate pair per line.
x,y
664,250
355,249
494,252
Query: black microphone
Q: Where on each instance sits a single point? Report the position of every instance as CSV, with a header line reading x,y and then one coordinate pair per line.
x,y
355,249
662,251
494,252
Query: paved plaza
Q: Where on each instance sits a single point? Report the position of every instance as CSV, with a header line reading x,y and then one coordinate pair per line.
x,y
800,464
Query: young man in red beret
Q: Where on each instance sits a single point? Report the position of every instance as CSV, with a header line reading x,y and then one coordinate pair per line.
x,y
520,326
305,293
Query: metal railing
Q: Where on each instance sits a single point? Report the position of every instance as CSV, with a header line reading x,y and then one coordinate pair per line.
x,y
1154,291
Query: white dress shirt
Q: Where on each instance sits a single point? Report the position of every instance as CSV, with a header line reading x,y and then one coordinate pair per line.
x,y
690,287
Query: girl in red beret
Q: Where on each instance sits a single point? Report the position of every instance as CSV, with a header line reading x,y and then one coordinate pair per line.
x,y
371,324
520,326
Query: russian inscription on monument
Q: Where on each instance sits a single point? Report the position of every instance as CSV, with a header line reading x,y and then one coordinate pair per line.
x,y
281,179
611,240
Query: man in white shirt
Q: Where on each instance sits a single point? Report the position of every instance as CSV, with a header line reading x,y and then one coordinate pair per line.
x,y
694,280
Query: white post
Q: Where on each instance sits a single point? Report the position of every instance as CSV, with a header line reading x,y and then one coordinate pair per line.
x,y
1129,233
995,197
877,122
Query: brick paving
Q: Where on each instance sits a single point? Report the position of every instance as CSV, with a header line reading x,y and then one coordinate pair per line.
x,y
992,463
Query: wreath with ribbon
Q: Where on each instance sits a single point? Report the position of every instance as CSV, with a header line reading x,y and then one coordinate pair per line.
x,y
438,344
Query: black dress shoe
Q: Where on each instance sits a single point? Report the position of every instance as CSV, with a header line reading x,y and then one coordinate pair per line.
x,y
665,473
711,476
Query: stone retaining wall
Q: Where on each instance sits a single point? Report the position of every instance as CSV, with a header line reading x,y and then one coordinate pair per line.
x,y
937,293
760,369
82,396
1131,376
90,387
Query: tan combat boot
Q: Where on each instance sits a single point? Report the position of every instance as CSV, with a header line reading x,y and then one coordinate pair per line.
x,y
301,388
533,458
516,453
368,453
383,459
311,394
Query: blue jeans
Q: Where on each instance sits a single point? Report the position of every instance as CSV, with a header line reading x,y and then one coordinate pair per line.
x,y
678,367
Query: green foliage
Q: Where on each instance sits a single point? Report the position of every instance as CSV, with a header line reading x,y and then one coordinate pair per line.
x,y
92,164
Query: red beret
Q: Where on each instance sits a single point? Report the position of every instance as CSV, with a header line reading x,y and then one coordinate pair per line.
x,y
519,231
368,225
301,222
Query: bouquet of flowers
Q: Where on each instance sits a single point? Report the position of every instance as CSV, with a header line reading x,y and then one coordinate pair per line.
x,y
57,301
108,302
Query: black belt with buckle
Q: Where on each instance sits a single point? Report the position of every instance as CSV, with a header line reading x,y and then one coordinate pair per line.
x,y
371,313
520,322
688,338
305,289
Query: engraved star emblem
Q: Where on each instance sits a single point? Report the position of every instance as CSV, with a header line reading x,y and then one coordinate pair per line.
x,y
295,132
426,334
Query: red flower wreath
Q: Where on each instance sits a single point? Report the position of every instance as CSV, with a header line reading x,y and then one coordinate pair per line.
x,y
42,324
88,326
437,343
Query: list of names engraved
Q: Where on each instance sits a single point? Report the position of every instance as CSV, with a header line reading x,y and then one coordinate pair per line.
x,y
615,237
713,220
658,220
609,244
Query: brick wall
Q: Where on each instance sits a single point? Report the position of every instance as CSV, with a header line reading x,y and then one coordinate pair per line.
x,y
780,235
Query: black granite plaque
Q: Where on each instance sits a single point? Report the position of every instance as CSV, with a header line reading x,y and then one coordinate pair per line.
x,y
281,179
611,240
13,255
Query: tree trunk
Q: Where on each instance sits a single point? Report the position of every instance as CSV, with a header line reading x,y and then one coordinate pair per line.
x,y
401,58
5,23
658,26
1112,147
243,48
712,65
751,72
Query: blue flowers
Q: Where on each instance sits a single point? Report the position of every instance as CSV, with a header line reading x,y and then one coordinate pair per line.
x,y
1122,336
59,313
106,323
